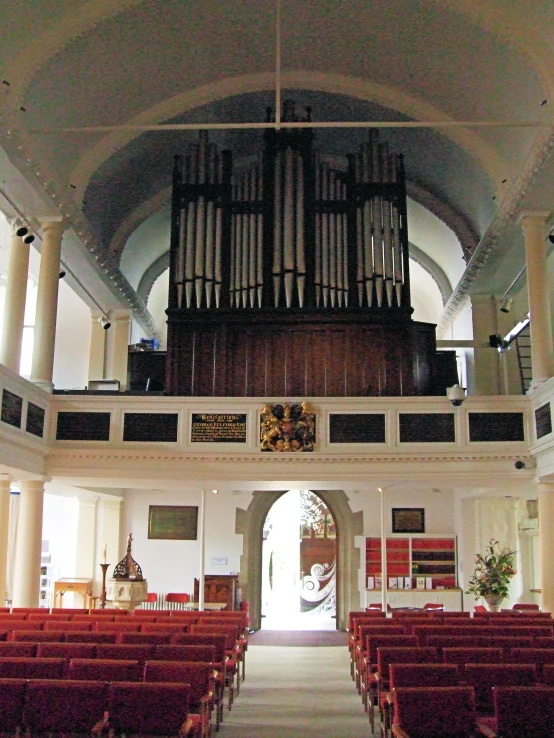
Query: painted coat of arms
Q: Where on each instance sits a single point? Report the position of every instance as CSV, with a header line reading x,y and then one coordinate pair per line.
x,y
287,427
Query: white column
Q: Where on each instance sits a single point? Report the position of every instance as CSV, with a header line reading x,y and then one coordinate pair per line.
x,y
486,360
14,310
533,225
108,530
47,305
28,545
121,326
97,356
546,544
4,525
86,538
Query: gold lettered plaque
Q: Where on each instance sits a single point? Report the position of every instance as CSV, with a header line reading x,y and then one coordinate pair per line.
x,y
287,428
218,428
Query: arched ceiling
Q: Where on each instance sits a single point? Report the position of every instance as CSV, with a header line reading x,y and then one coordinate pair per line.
x,y
136,62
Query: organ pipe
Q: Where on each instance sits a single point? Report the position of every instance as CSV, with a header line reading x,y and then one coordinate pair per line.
x,y
325,237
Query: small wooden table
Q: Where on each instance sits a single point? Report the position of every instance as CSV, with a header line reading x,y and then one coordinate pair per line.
x,y
67,584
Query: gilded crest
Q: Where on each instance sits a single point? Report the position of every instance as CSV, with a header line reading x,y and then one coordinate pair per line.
x,y
287,427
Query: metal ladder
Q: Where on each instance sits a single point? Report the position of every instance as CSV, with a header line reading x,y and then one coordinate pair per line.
x,y
523,347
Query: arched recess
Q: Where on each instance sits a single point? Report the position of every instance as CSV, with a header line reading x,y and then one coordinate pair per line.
x,y
249,523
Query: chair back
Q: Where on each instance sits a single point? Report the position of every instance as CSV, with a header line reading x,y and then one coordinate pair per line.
x,y
423,675
202,639
18,648
89,637
152,639
524,711
108,670
185,653
67,626
140,652
483,677
148,708
387,655
36,636
537,656
198,674
425,712
381,641
31,667
120,627
66,650
12,698
63,705
464,656
164,627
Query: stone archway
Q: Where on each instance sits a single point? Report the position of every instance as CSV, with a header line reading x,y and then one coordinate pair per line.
x,y
249,523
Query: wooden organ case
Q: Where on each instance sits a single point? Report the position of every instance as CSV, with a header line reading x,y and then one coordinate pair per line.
x,y
290,277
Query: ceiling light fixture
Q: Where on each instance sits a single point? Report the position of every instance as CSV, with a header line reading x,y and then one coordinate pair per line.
x,y
506,305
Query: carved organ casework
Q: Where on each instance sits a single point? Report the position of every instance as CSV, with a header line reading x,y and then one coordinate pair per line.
x,y
289,273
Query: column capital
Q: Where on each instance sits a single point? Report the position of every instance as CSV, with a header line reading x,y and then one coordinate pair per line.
x,y
533,218
55,225
32,485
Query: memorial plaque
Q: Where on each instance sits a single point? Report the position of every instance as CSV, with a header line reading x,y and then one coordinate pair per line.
x,y
496,427
12,406
151,427
357,428
77,426
173,522
35,420
218,428
427,428
543,420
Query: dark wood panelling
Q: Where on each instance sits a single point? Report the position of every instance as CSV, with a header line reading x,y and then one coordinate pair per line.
x,y
35,419
543,420
427,428
76,426
357,428
12,407
496,427
150,427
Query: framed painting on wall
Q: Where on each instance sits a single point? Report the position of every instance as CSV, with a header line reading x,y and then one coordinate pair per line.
x,y
408,520
173,522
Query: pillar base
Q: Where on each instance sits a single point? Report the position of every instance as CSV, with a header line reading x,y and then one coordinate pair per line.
x,y
44,384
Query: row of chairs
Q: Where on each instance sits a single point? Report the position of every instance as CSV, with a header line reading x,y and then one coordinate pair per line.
x,y
199,675
40,706
451,711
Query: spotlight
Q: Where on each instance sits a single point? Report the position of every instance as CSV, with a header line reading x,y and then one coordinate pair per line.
x,y
506,305
21,231
62,274
29,238
104,322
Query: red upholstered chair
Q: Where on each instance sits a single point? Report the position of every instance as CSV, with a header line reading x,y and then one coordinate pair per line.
x,y
364,631
520,711
462,656
20,624
233,653
387,655
366,676
31,667
86,637
49,616
481,609
415,675
153,639
12,697
109,617
537,656
140,652
67,626
424,712
202,687
483,677
63,706
433,607
120,627
176,600
164,627
69,611
108,670
17,648
34,636
524,606
28,610
150,709
107,611
66,651
174,652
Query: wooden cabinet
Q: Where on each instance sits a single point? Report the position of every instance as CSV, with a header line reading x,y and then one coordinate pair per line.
x,y
220,588
415,556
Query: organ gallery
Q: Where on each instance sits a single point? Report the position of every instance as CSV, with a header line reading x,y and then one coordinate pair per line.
x,y
289,273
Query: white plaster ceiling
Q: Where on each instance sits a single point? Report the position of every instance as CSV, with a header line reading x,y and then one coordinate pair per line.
x,y
118,62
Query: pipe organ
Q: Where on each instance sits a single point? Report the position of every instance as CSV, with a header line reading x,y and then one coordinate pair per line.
x,y
292,254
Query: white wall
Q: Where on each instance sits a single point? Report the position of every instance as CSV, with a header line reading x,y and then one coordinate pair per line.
x,y
73,331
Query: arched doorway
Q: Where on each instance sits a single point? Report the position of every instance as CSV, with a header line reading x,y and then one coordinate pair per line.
x,y
250,522
299,563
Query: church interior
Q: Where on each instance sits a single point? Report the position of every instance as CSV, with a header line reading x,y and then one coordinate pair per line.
x,y
250,249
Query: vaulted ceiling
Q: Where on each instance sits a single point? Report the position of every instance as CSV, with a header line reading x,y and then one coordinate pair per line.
x,y
110,68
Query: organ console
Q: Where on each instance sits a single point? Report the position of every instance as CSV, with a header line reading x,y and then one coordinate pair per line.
x,y
289,273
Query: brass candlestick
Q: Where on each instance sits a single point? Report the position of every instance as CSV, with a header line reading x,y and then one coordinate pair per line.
x,y
104,568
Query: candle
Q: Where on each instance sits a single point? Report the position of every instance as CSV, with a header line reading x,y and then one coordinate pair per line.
x,y
104,553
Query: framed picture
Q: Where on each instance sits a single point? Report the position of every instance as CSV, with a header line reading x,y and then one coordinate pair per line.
x,y
173,522
408,520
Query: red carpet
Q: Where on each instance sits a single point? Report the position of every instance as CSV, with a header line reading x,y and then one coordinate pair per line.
x,y
299,638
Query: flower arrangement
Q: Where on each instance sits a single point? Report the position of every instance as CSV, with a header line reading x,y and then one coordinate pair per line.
x,y
493,571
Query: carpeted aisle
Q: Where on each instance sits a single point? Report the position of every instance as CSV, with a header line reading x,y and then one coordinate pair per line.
x,y
301,692
299,638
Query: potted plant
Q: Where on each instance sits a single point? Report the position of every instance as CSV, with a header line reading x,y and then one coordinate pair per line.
x,y
493,572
